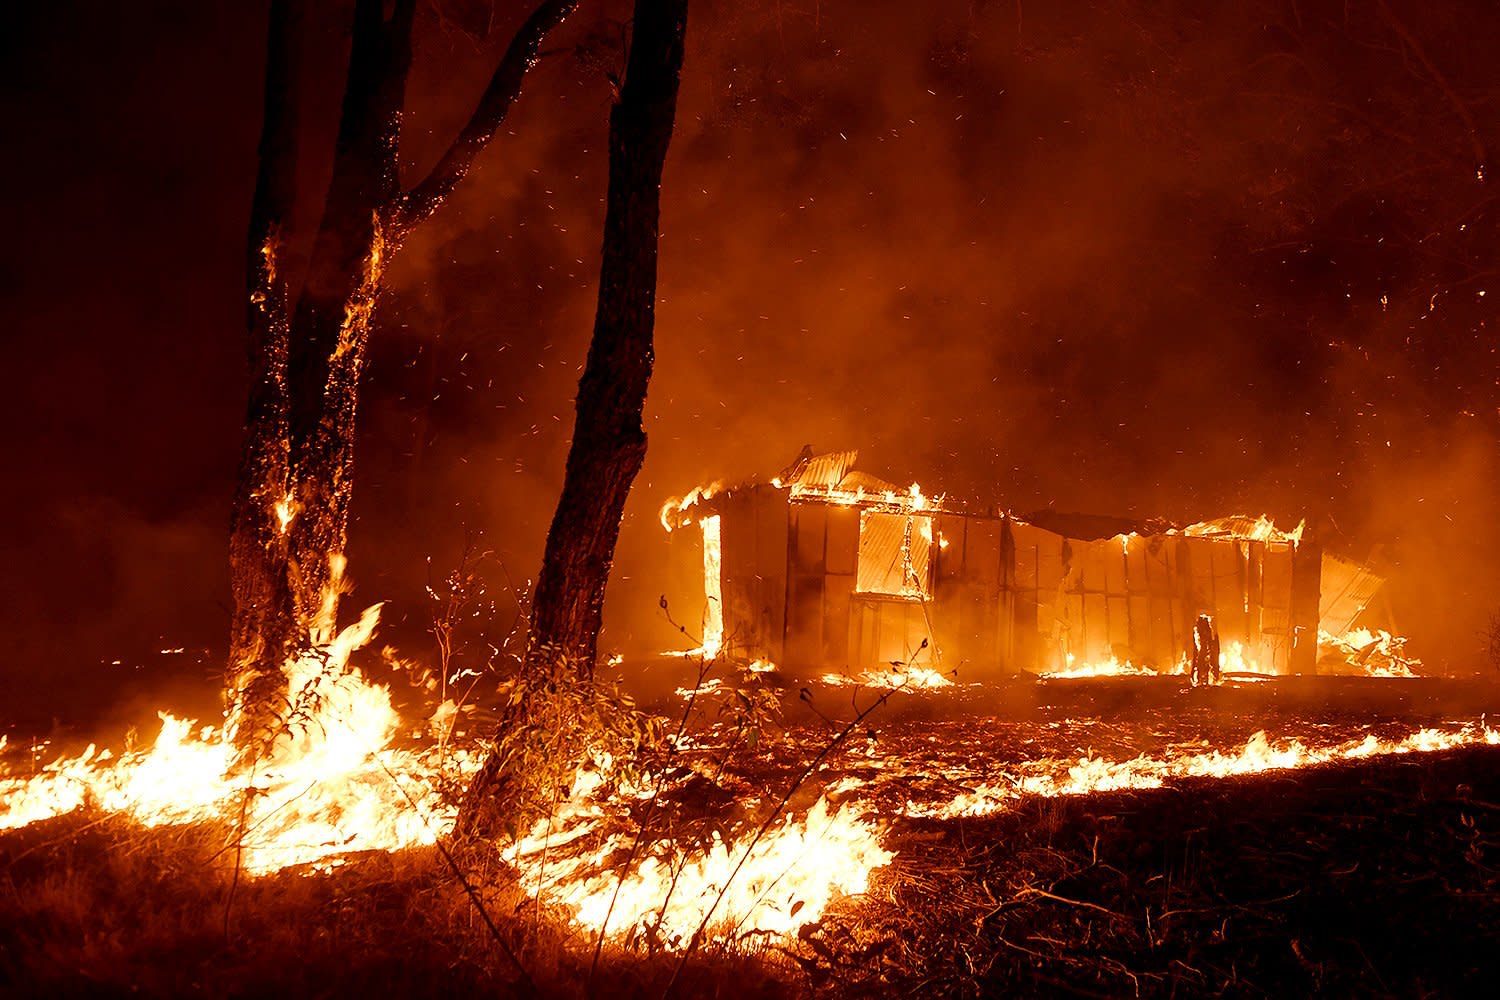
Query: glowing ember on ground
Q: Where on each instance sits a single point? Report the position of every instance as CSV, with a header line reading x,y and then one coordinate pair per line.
x,y
908,678
1111,667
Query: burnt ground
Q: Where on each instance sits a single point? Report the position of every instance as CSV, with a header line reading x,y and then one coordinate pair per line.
x,y
1376,879
1372,878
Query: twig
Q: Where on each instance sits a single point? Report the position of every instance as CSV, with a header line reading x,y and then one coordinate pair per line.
x,y
473,894
1031,890
704,666
771,818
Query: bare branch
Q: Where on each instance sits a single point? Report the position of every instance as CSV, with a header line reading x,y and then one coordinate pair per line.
x,y
1475,142
494,105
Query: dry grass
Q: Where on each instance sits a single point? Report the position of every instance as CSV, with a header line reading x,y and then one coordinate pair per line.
x,y
1375,879
1379,879
97,906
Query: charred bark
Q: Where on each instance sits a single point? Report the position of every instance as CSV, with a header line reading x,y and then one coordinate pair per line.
x,y
291,511
262,627
609,441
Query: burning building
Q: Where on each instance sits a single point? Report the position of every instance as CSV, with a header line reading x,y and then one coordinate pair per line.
x,y
828,567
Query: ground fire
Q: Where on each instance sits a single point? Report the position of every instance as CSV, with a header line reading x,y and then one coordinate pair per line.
x,y
347,780
405,591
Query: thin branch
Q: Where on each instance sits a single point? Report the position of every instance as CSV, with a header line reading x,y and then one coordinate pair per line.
x,y
417,204
1476,143
772,817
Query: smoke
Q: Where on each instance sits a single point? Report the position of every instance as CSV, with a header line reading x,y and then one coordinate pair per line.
x,y
1076,256
1114,257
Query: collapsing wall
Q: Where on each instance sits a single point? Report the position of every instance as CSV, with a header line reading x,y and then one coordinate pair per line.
x,y
826,567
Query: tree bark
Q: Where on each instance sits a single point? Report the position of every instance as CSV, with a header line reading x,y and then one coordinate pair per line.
x,y
291,509
262,626
609,441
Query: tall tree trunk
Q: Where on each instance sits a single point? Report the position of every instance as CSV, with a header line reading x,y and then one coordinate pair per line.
x,y
291,510
609,442
292,506
263,625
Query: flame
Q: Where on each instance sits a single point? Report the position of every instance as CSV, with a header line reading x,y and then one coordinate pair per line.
x,y
1372,652
911,677
676,511
1234,657
713,590
775,885
285,511
910,501
326,786
1261,529
713,586
1092,774
1111,667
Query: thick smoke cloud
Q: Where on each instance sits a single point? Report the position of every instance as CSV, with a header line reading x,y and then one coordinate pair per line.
x,y
1108,256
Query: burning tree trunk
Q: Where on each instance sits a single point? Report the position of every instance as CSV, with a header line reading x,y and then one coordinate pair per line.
x,y
609,442
308,351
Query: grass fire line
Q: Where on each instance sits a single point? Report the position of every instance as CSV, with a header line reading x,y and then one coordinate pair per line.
x,y
337,785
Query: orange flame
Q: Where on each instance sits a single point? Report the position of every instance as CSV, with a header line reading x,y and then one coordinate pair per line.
x,y
1092,774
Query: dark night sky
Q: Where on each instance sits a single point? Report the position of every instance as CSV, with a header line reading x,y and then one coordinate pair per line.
x,y
1113,256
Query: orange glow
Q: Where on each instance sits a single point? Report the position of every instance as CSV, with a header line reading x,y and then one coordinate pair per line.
x,y
1093,774
325,788
909,678
1111,667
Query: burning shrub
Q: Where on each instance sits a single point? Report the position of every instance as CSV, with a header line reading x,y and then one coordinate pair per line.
x,y
554,723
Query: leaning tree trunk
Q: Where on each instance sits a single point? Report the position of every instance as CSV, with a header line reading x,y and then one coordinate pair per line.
x,y
609,442
291,510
